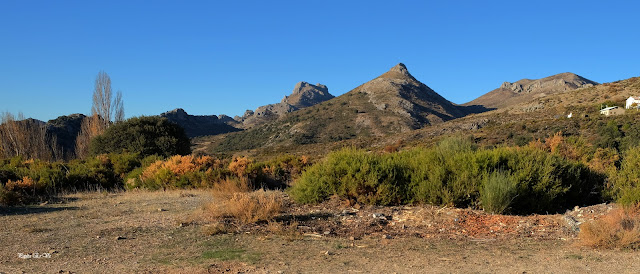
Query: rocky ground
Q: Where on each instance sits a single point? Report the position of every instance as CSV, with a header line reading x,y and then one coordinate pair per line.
x,y
153,232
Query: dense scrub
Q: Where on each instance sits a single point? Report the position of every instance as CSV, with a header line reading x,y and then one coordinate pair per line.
x,y
25,181
143,135
515,180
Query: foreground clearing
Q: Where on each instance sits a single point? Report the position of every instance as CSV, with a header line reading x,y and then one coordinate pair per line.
x,y
156,232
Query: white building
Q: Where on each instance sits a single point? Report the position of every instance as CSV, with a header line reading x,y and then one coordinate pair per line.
x,y
632,102
610,111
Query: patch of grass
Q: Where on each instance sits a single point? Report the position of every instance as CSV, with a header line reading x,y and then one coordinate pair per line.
x,y
224,248
574,256
224,254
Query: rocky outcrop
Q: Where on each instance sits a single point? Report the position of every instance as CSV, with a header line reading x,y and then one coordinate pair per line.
x,y
304,95
526,90
64,131
200,125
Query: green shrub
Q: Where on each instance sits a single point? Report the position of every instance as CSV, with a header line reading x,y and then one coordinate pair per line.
x,y
354,174
143,135
453,173
626,180
498,192
277,173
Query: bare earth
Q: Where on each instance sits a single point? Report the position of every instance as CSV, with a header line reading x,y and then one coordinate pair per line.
x,y
153,232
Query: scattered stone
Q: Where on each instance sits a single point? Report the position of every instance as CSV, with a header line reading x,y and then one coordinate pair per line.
x,y
328,252
120,238
386,236
161,209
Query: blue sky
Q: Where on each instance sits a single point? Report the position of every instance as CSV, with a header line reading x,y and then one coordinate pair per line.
x,y
223,57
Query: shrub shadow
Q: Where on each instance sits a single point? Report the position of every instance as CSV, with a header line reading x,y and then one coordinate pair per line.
x,y
24,210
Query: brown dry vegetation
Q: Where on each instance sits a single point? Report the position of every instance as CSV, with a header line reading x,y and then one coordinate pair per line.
x,y
619,229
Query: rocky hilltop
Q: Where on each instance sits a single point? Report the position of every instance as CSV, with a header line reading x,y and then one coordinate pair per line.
x,y
525,90
303,95
306,95
398,92
201,125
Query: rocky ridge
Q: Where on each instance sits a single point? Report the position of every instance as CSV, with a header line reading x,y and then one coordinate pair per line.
x,y
201,125
525,90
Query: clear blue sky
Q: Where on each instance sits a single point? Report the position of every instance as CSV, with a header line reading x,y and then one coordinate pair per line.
x,y
223,57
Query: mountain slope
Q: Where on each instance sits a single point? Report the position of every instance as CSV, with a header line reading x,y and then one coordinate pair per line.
x,y
526,90
393,102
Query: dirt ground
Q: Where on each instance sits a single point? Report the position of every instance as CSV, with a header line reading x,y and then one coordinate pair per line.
x,y
161,232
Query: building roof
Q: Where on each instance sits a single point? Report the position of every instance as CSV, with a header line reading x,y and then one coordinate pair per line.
x,y
609,108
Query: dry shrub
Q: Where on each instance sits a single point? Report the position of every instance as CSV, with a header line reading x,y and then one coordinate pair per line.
x,y
227,187
620,228
553,142
179,172
247,207
239,166
18,191
23,185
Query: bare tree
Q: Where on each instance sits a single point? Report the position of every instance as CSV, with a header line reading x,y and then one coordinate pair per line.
x,y
103,105
104,110
118,108
24,137
90,127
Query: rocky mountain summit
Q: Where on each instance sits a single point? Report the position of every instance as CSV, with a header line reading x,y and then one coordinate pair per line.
x,y
303,95
526,90
201,125
398,92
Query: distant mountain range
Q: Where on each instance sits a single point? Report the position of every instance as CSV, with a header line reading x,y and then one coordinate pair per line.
x,y
394,102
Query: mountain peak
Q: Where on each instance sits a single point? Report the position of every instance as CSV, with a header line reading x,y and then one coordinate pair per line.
x,y
399,71
400,68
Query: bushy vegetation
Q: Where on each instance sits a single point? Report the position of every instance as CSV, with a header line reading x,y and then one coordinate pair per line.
x,y
143,135
453,173
205,171
25,181
179,172
625,182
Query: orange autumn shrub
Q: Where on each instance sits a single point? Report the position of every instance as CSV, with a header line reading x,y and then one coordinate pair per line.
x,y
179,172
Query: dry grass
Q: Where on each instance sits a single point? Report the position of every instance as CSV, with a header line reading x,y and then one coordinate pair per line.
x,y
227,187
618,229
247,207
